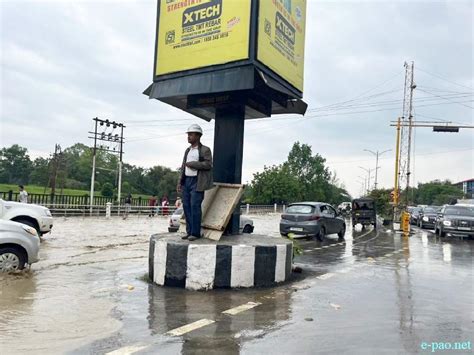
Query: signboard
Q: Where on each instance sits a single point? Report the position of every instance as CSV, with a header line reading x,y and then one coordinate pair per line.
x,y
199,33
281,31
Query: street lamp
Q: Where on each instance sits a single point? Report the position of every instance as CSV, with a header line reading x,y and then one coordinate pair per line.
x,y
377,154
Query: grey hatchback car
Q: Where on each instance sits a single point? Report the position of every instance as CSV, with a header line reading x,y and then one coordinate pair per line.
x,y
308,219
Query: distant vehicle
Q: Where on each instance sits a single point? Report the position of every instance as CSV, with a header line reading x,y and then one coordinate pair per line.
x,y
427,216
415,214
246,224
312,219
455,221
363,212
19,245
344,208
35,216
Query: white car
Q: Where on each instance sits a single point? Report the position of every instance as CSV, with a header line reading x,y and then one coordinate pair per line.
x,y
35,216
19,245
246,224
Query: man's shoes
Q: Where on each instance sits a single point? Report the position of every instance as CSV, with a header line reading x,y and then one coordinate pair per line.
x,y
184,237
193,238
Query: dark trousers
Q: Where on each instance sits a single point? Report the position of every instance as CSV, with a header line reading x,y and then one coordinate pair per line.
x,y
192,200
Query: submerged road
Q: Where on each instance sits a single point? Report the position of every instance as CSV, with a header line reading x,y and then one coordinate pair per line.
x,y
374,292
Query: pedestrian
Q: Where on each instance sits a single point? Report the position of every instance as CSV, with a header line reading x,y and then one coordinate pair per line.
x,y
165,205
152,204
178,203
23,195
128,205
196,177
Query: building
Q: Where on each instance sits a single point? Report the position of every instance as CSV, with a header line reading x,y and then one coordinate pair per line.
x,y
467,187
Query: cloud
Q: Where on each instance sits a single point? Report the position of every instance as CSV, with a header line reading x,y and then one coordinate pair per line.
x,y
63,63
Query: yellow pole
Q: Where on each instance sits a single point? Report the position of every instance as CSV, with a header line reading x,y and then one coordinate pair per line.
x,y
397,158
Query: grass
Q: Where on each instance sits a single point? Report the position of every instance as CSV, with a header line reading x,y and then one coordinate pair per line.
x,y
35,189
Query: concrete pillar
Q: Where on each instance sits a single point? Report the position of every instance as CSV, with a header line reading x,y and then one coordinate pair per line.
x,y
228,152
108,209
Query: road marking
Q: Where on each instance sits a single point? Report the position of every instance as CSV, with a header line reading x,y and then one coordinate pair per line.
x,y
190,327
388,255
325,246
127,350
241,308
325,276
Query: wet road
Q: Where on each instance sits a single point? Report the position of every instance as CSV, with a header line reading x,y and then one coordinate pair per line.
x,y
375,292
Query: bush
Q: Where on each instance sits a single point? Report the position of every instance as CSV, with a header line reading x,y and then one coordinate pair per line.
x,y
107,190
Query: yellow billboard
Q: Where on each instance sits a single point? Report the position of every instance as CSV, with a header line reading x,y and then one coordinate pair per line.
x,y
281,31
199,33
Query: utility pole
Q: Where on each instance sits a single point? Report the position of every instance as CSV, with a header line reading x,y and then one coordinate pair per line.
x,y
109,138
377,154
368,171
55,161
406,131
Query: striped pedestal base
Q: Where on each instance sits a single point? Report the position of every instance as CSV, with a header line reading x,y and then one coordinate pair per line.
x,y
246,260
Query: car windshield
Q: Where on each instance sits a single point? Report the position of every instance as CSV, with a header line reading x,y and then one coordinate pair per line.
x,y
459,211
363,205
303,209
431,209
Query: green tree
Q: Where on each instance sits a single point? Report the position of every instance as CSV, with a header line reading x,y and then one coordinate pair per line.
x,y
274,185
40,172
437,193
382,202
15,165
107,190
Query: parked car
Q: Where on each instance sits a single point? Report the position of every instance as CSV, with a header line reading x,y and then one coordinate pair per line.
x,y
363,212
35,216
19,245
455,221
246,224
312,219
427,216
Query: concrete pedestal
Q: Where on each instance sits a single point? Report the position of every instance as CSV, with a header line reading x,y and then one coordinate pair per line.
x,y
246,260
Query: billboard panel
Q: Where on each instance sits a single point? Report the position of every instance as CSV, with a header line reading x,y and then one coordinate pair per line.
x,y
281,34
199,33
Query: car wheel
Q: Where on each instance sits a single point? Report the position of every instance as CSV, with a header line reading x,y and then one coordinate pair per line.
x,y
29,223
11,259
342,232
322,233
247,229
375,225
441,233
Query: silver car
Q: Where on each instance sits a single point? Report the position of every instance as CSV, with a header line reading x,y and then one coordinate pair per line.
x,y
308,219
246,224
19,245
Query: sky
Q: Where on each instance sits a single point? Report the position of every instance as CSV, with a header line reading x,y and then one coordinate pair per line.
x,y
66,62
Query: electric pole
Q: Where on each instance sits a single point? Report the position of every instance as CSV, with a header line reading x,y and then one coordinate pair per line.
x,y
368,171
406,131
377,154
109,138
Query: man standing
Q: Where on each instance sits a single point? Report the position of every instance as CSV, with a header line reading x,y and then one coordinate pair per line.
x,y
23,196
196,177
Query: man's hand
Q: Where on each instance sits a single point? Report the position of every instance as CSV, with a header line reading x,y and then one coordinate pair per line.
x,y
178,188
188,165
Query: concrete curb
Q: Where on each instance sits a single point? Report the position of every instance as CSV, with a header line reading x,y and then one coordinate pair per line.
x,y
232,262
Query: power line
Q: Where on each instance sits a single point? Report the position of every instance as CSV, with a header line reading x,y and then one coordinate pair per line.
x,y
442,78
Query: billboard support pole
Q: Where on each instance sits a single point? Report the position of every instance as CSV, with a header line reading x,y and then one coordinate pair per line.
x,y
228,152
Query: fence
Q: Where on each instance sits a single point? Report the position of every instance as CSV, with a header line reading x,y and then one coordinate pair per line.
x,y
48,199
71,210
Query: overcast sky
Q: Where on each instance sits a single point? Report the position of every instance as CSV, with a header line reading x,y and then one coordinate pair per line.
x,y
65,62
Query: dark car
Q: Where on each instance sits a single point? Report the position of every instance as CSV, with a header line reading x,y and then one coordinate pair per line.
x,y
312,219
427,216
415,214
363,212
455,221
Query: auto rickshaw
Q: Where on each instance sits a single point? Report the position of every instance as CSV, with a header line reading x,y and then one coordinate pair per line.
x,y
363,212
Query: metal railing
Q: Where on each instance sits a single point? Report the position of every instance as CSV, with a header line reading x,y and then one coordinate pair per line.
x,y
71,210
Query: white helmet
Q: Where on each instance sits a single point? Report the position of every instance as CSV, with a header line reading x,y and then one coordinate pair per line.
x,y
194,128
